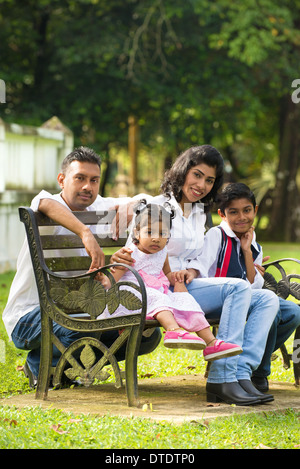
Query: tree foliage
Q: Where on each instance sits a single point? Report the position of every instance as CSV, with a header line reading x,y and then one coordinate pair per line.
x,y
191,72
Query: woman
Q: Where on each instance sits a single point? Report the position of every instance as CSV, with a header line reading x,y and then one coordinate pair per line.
x,y
191,186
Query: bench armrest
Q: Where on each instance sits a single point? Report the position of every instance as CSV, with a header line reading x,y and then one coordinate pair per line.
x,y
284,287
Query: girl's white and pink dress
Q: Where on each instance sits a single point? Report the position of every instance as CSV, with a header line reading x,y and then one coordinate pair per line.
x,y
185,309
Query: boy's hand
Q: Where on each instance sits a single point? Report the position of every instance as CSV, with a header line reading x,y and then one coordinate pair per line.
x,y
246,239
261,268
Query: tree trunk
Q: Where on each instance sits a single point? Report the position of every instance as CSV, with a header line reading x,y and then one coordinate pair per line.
x,y
284,222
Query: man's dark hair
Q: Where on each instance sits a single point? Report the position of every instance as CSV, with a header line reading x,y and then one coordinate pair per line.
x,y
83,154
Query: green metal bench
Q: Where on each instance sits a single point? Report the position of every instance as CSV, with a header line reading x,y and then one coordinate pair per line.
x,y
73,298
284,287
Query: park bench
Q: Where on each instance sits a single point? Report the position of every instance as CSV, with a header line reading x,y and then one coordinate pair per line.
x,y
74,299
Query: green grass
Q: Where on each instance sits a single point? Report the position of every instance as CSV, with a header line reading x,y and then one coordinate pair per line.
x,y
52,428
34,428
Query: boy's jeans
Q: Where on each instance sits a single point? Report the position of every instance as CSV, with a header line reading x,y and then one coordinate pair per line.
x,y
286,321
234,302
27,336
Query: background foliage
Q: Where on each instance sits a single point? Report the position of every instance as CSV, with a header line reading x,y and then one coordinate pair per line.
x,y
190,72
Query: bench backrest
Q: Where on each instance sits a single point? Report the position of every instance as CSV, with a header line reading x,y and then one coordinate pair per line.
x,y
60,264
64,251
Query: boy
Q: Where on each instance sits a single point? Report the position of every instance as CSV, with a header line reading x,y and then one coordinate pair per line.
x,y
231,250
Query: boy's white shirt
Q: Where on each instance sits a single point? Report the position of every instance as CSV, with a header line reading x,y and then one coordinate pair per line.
x,y
207,260
23,296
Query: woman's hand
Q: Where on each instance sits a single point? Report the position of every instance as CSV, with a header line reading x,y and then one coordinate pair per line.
x,y
185,275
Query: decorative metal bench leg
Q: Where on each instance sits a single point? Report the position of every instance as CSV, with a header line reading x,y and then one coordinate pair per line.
x,y
285,357
45,359
296,350
131,367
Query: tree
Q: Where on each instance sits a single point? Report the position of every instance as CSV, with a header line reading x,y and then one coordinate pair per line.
x,y
190,72
264,35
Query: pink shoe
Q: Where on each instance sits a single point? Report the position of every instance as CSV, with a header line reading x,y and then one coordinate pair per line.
x,y
182,339
221,349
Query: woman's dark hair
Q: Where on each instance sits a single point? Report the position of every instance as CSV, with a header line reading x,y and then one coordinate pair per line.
x,y
149,214
175,177
234,191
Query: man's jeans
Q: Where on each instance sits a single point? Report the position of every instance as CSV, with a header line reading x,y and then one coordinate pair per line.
x,y
246,317
286,321
27,336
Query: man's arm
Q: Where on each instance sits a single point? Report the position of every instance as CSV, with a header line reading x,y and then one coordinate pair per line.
x,y
65,217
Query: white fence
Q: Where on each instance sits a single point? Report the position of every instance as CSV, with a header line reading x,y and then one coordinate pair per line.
x,y
30,159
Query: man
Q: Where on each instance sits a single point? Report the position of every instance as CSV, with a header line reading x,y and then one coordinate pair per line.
x,y
79,180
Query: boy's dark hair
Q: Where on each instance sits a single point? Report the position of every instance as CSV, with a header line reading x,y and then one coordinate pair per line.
x,y
152,213
83,154
175,177
233,191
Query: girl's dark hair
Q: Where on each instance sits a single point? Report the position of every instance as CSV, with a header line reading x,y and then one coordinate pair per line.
x,y
152,213
233,191
175,177
82,154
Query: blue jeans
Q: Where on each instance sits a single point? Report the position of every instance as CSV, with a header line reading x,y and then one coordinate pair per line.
x,y
245,316
286,321
27,336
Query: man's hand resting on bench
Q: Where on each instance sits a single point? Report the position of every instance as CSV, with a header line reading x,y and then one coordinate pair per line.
x,y
65,217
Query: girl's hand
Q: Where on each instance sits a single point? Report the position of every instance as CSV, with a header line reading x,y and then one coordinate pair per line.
x,y
123,256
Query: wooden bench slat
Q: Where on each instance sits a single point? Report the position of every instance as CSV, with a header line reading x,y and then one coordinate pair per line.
x,y
88,218
65,264
72,264
73,241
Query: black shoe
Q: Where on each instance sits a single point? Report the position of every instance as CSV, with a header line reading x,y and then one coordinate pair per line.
x,y
231,393
28,373
260,383
249,387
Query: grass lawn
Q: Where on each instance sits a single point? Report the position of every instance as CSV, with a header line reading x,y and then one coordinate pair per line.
x,y
52,428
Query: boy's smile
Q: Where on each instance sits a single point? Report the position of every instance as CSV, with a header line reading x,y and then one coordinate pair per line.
x,y
239,215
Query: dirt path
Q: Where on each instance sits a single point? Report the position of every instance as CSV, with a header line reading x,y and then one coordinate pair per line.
x,y
176,399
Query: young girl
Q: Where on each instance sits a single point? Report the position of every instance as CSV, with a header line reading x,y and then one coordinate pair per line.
x,y
176,311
